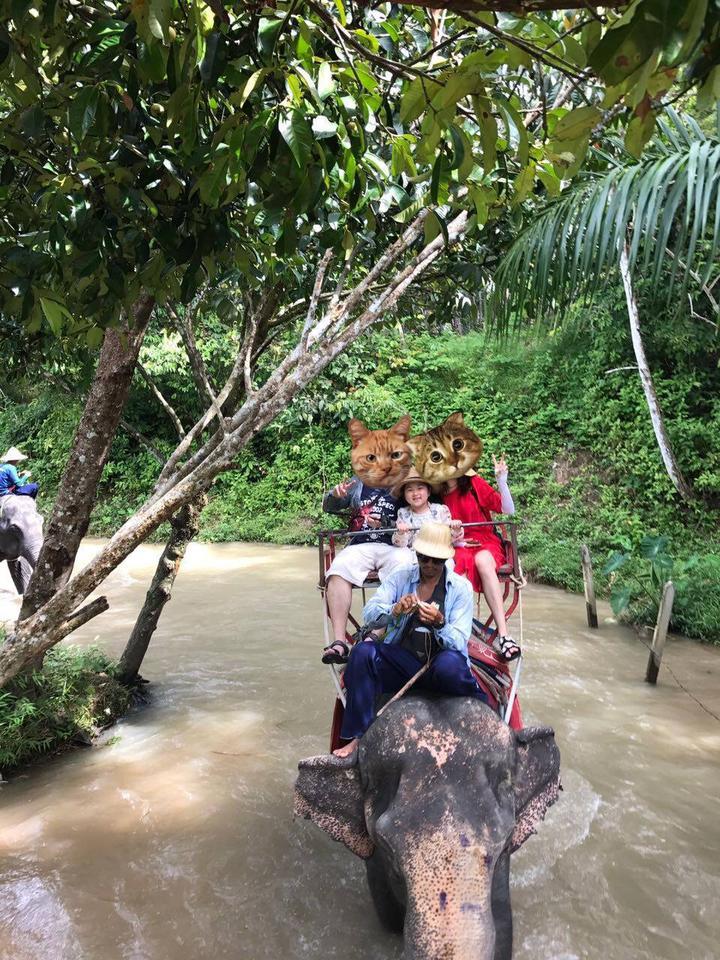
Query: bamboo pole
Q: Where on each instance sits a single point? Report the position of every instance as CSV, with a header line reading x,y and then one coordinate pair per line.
x,y
661,629
590,603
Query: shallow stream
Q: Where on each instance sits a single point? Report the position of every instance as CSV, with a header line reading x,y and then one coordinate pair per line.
x,y
175,839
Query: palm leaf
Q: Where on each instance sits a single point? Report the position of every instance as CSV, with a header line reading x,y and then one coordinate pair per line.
x,y
669,200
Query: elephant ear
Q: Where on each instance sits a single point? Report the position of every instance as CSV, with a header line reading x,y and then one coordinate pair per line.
x,y
328,792
537,780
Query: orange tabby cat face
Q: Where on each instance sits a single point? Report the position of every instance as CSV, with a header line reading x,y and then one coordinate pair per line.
x,y
380,458
446,452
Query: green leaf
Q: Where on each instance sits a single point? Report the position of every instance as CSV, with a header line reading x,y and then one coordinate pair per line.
x,y
82,112
620,597
435,179
153,18
614,563
296,133
32,122
577,123
574,52
341,12
431,228
55,314
458,147
417,95
652,547
323,128
523,183
251,85
639,131
94,337
268,30
325,84
214,59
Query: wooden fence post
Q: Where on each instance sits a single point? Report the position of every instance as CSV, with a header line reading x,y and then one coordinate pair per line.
x,y
661,629
590,605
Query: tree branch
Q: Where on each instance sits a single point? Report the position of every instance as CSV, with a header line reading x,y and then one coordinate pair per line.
x,y
155,390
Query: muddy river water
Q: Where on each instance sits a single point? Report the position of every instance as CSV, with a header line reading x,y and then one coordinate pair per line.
x,y
176,838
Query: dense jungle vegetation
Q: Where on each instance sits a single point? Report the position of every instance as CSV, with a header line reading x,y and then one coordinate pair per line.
x,y
566,407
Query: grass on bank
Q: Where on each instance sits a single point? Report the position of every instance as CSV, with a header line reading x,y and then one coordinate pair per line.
x,y
71,698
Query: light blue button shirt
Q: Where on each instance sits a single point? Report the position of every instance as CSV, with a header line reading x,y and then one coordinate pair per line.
x,y
454,633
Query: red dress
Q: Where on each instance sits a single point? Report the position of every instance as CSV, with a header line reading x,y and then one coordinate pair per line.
x,y
465,507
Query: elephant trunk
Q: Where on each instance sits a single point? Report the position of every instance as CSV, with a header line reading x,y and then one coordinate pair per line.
x,y
449,915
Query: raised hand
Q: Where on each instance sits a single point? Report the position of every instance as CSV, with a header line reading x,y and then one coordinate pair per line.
x,y
341,490
500,465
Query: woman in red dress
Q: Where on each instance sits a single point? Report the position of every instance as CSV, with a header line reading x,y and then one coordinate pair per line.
x,y
471,499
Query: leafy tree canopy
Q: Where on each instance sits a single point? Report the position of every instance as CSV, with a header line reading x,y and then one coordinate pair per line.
x,y
149,146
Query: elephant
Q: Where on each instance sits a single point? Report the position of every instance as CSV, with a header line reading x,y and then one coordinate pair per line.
x,y
21,536
437,797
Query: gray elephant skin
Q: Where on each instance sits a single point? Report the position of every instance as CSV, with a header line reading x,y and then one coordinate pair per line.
x,y
21,537
441,793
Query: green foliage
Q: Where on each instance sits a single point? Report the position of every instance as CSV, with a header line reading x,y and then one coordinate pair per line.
x,y
149,146
73,695
671,199
646,582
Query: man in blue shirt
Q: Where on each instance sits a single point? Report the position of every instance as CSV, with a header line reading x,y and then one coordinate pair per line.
x,y
10,480
430,610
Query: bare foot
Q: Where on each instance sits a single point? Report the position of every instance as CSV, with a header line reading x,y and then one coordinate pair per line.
x,y
347,749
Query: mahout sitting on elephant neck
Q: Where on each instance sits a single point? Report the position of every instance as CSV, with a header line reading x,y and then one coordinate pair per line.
x,y
442,793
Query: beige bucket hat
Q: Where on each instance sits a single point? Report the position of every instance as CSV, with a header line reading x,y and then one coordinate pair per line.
x,y
434,540
413,477
13,455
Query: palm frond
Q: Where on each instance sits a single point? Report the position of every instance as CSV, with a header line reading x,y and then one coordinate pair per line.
x,y
670,200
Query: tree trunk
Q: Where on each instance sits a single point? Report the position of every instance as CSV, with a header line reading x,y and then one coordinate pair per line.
x,y
185,525
663,441
91,445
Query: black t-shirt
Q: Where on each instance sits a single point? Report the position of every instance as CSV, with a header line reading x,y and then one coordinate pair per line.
x,y
380,503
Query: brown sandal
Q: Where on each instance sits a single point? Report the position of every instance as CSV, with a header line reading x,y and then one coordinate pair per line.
x,y
336,652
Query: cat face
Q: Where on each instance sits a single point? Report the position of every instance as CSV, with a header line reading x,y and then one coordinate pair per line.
x,y
380,458
446,452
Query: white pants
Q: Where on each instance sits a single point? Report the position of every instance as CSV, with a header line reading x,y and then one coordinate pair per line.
x,y
355,561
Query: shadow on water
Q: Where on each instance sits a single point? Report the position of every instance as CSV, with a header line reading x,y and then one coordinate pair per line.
x,y
178,840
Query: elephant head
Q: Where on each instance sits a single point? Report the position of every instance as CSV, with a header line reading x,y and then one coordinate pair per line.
x,y
21,537
440,794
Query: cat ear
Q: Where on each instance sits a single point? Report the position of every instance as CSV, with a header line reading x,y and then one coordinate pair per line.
x,y
456,419
402,427
357,430
415,444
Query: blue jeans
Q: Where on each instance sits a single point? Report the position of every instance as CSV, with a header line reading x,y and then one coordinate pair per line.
x,y
375,668
26,490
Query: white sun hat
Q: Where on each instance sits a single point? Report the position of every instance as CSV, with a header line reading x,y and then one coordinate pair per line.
x,y
13,456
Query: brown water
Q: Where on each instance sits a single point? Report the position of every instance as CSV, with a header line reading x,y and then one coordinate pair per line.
x,y
177,841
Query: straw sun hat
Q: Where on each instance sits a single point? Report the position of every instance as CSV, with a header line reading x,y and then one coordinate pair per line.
x,y
412,477
13,455
434,540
